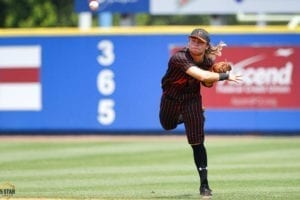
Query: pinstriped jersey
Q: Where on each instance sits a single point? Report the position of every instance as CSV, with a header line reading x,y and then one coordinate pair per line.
x,y
176,83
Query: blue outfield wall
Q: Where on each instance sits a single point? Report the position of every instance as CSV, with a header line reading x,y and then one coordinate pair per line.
x,y
111,82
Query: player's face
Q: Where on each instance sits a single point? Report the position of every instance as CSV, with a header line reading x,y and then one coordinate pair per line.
x,y
197,46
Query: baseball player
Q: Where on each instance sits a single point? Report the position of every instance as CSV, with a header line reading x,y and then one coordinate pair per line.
x,y
181,100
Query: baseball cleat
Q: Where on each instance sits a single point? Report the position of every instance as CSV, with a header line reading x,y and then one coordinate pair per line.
x,y
205,192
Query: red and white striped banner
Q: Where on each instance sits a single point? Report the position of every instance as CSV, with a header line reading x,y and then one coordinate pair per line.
x,y
20,86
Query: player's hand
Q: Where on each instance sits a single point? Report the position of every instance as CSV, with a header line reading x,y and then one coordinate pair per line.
x,y
235,78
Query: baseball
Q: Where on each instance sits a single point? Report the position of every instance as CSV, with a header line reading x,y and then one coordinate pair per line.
x,y
94,5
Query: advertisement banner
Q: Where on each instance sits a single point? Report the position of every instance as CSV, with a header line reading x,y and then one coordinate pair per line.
x,y
270,79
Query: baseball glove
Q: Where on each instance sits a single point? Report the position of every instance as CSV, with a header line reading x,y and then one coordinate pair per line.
x,y
221,67
208,84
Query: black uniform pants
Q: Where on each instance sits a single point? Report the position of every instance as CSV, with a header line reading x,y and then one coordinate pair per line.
x,y
192,114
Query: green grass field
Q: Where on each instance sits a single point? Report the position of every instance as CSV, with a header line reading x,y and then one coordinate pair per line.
x,y
240,168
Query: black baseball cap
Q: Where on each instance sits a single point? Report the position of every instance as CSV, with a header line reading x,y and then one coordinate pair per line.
x,y
200,34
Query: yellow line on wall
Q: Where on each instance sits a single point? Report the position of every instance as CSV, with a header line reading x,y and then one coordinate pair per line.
x,y
152,30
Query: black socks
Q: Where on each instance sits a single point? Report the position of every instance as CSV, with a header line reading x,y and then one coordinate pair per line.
x,y
200,158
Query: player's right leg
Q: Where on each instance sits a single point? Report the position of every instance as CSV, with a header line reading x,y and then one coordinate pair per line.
x,y
195,133
200,158
169,113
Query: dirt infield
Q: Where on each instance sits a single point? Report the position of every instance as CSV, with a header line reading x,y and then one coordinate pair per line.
x,y
75,138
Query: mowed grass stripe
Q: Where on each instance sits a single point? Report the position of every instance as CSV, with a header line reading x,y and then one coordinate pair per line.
x,y
108,171
254,168
37,152
163,169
